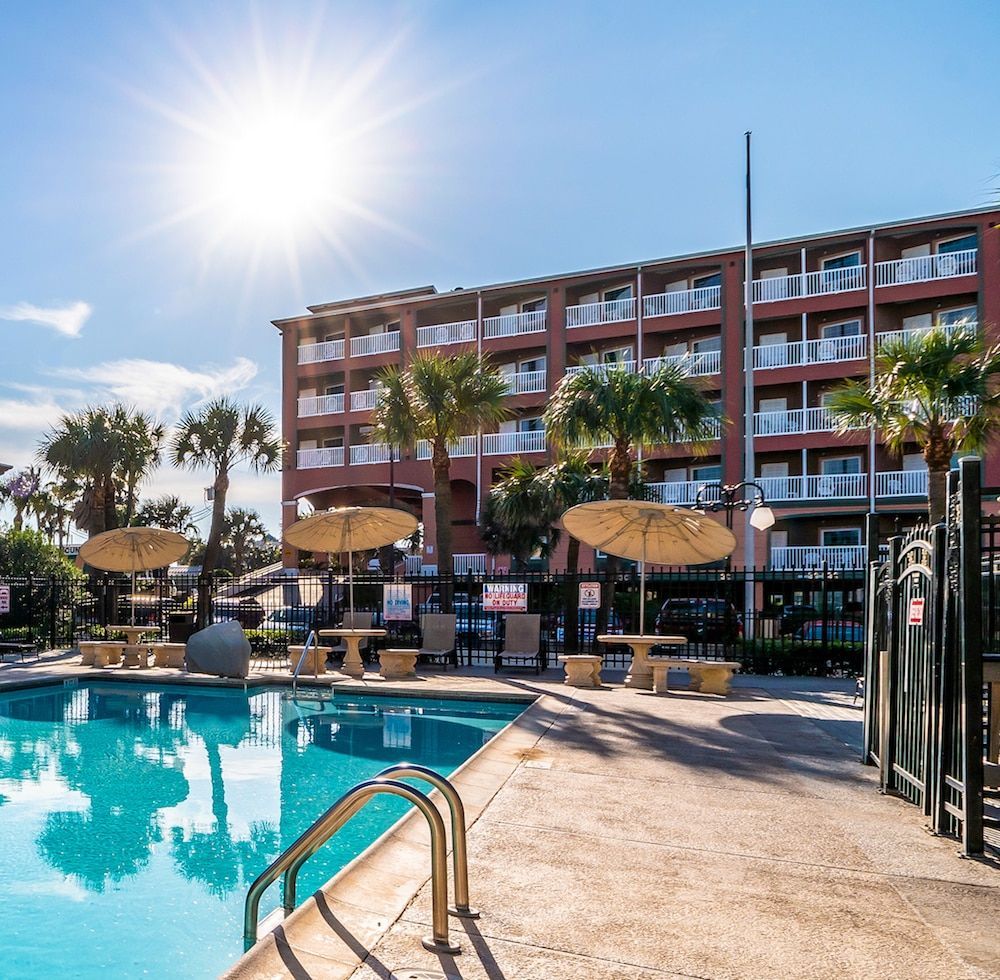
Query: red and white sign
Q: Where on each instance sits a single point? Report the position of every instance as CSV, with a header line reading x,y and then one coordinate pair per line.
x,y
590,595
505,597
916,614
4,598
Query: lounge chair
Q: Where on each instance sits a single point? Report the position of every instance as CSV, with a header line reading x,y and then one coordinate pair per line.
x,y
353,621
522,645
437,643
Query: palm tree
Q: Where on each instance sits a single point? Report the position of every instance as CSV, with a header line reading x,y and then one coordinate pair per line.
x,y
628,410
938,390
519,515
219,437
439,399
167,511
243,527
83,447
141,442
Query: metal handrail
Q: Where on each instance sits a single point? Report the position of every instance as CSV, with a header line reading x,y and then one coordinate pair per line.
x,y
327,825
310,641
459,849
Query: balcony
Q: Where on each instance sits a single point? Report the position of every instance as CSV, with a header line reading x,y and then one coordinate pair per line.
x,y
442,334
511,443
320,405
809,284
374,343
682,301
792,421
525,382
464,564
924,268
465,446
513,324
696,364
327,350
813,557
914,332
373,452
680,492
901,483
592,314
629,367
818,486
824,351
362,401
311,459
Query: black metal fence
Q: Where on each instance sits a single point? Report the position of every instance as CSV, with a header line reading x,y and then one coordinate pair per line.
x,y
807,622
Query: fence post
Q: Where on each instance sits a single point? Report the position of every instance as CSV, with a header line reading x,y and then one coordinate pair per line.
x,y
971,659
203,601
30,602
52,613
887,671
824,607
469,582
935,762
871,653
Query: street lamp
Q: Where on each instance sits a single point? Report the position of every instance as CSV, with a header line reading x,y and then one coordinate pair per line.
x,y
731,497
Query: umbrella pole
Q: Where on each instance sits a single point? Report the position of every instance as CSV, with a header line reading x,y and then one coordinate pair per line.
x,y
642,589
133,598
350,580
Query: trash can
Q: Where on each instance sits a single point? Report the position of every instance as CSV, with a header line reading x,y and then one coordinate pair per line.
x,y
180,626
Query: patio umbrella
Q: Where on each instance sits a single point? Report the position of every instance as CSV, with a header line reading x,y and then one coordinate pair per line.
x,y
133,549
351,529
644,531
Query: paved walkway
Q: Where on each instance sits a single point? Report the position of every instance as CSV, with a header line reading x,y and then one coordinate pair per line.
x,y
695,836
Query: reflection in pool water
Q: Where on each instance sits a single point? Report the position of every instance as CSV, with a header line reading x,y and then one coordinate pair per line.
x,y
135,818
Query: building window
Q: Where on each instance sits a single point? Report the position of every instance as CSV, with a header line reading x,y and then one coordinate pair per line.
x,y
840,537
530,425
848,260
616,293
704,282
849,328
962,244
835,465
534,305
334,442
948,318
618,355
532,364
706,474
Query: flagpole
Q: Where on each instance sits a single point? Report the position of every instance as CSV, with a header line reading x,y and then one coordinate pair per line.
x,y
748,402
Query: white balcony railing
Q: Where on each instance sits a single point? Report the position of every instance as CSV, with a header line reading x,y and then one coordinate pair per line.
x,y
463,564
699,363
590,314
465,446
913,332
827,349
810,284
320,405
504,443
680,493
793,420
682,301
412,564
512,324
441,334
327,350
629,367
923,268
815,486
525,382
310,459
901,483
374,343
365,399
372,452
812,557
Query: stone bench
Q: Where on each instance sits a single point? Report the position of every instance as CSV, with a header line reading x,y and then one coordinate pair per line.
x,y
168,654
707,676
397,664
582,670
135,655
315,660
87,651
108,654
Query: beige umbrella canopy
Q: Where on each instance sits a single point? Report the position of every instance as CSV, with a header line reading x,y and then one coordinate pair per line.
x,y
645,531
133,549
351,529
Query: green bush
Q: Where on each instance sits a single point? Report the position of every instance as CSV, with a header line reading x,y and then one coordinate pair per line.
x,y
24,552
801,658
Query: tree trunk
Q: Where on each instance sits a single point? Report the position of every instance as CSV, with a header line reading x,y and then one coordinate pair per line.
x,y
937,495
110,504
571,613
620,466
441,464
212,546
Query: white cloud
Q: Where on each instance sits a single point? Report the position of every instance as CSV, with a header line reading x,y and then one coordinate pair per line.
x,y
67,320
161,387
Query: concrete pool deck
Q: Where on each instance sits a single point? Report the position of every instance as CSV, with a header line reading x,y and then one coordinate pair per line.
x,y
616,834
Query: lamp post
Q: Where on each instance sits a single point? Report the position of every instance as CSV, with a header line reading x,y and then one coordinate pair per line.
x,y
731,497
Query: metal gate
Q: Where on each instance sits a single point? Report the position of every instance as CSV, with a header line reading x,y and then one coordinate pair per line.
x,y
924,721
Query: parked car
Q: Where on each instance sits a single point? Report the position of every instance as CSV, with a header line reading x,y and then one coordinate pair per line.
x,y
794,616
249,613
294,620
700,620
588,625
839,630
433,602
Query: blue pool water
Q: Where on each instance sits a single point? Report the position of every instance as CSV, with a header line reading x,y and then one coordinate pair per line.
x,y
133,819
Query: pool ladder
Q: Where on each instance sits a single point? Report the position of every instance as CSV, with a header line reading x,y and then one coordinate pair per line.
x,y
290,861
310,641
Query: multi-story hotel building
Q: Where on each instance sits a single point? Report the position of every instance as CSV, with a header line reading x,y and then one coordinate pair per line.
x,y
822,306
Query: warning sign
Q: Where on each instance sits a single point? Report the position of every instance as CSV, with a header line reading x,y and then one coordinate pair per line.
x,y
590,595
505,597
916,615
4,598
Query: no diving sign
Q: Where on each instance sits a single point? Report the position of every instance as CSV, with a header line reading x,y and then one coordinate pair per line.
x,y
916,614
590,595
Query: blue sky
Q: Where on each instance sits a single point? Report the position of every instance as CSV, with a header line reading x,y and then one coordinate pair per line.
x,y
438,142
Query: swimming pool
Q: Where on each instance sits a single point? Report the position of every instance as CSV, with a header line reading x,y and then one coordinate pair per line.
x,y
133,818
